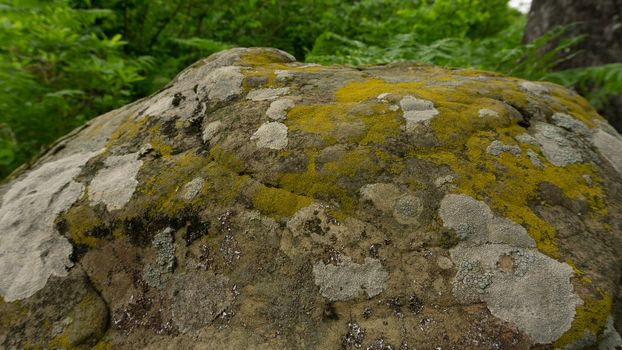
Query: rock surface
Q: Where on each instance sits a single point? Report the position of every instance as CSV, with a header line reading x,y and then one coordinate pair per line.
x,y
260,203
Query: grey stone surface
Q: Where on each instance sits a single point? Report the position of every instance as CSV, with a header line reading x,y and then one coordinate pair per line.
x,y
609,147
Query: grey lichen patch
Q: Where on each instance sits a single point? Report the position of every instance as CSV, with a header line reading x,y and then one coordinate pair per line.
x,y
534,88
526,138
158,104
499,265
271,135
156,274
533,157
163,243
467,216
609,147
278,109
556,146
417,110
114,185
407,208
485,112
571,124
211,130
199,297
192,188
497,147
32,250
348,280
267,94
222,83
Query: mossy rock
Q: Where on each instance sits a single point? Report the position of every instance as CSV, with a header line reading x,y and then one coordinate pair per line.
x,y
258,202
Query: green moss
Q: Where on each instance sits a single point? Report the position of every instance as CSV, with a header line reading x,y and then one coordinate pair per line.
x,y
591,316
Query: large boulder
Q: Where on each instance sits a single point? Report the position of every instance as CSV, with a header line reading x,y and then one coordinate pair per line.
x,y
261,203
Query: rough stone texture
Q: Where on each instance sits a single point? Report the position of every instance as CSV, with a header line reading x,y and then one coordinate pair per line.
x,y
214,214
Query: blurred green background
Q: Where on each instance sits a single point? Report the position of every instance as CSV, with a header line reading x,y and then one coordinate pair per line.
x,y
65,61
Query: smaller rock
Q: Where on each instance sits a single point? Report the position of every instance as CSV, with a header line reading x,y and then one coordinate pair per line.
x,y
192,188
444,262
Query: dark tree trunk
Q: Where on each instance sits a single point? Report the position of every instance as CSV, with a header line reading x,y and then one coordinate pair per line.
x,y
599,20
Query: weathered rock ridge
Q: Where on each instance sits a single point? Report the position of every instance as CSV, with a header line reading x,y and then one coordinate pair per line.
x,y
261,203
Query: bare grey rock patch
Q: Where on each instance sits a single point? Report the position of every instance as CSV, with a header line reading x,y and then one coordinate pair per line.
x,y
211,130
497,147
348,280
114,185
32,250
533,157
609,147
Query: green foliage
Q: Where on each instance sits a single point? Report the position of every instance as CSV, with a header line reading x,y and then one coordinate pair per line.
x,y
65,61
55,73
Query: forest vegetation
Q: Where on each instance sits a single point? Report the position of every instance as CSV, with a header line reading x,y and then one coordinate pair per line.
x,y
63,62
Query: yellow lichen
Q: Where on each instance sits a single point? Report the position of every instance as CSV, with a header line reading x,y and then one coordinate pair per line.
x,y
591,316
81,220
278,202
